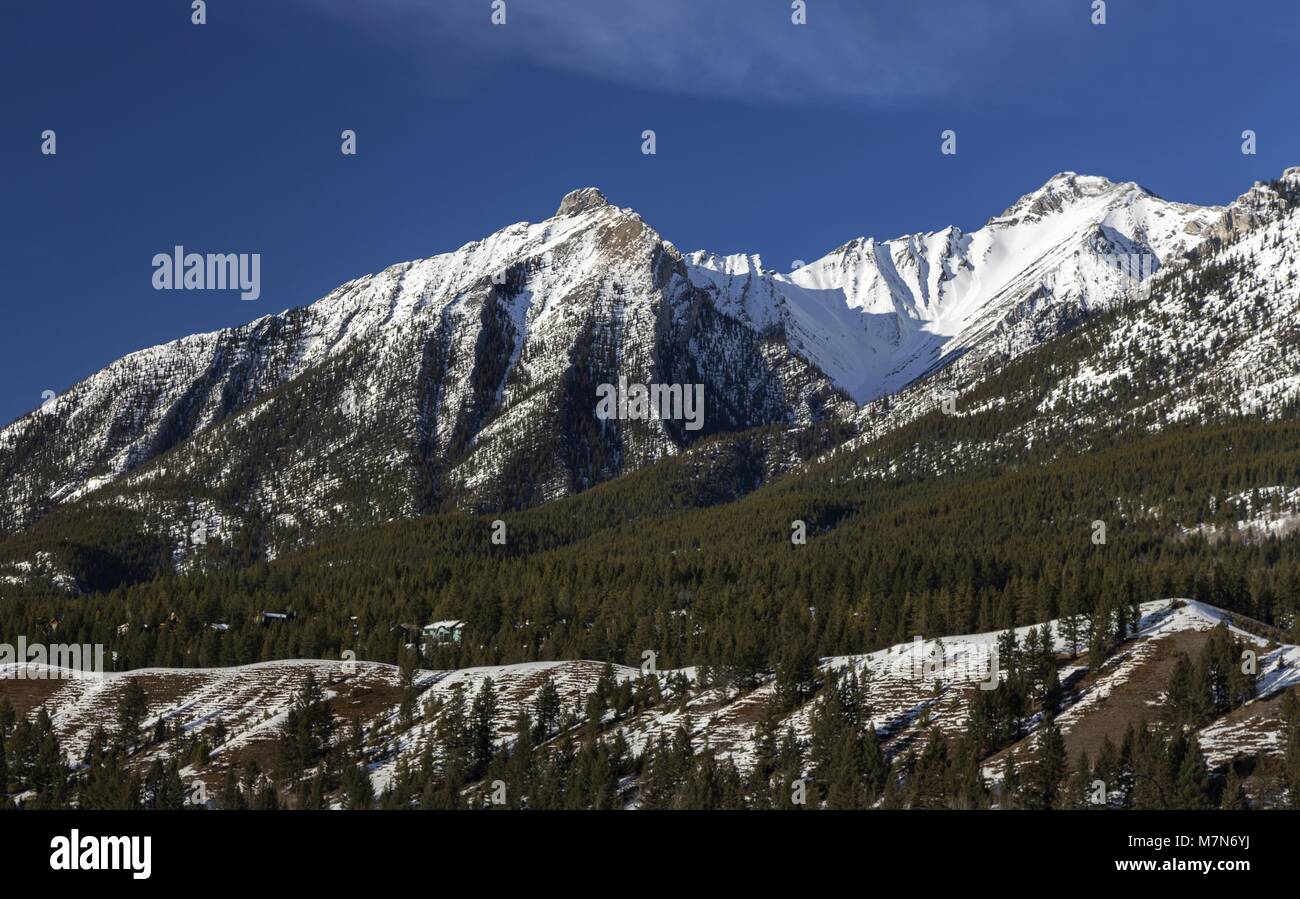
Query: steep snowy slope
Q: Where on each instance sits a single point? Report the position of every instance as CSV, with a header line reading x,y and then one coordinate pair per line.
x,y
1205,339
877,315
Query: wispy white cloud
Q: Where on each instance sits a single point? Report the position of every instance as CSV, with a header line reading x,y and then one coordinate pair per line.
x,y
878,51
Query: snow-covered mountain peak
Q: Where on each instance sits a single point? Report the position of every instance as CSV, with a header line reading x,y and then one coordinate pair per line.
x,y
1062,192
583,199
1076,183
1265,202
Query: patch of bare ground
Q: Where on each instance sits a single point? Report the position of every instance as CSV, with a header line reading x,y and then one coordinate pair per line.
x,y
263,751
169,689
364,700
1129,698
1132,698
27,694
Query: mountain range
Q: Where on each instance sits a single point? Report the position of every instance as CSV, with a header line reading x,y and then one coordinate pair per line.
x,y
467,381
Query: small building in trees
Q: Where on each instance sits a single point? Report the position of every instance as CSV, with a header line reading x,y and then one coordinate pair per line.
x,y
444,631
409,632
276,617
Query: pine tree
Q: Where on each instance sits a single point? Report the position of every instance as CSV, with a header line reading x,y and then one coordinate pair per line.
x,y
358,790
1291,748
1009,789
1191,789
1107,769
315,796
1234,795
766,747
875,768
827,726
131,710
1078,793
1072,628
1203,689
1046,773
1101,637
658,776
796,672
521,763
966,781
8,716
1182,705
483,727
454,735
1052,694
929,776
407,666
308,729
546,710
844,785
231,798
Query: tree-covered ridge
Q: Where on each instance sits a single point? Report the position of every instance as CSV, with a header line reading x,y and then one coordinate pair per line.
x,y
860,732
616,570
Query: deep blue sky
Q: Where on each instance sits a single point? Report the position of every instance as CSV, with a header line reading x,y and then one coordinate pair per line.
x,y
776,139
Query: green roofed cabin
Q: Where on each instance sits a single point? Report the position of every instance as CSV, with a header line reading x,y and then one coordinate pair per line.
x,y
443,631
